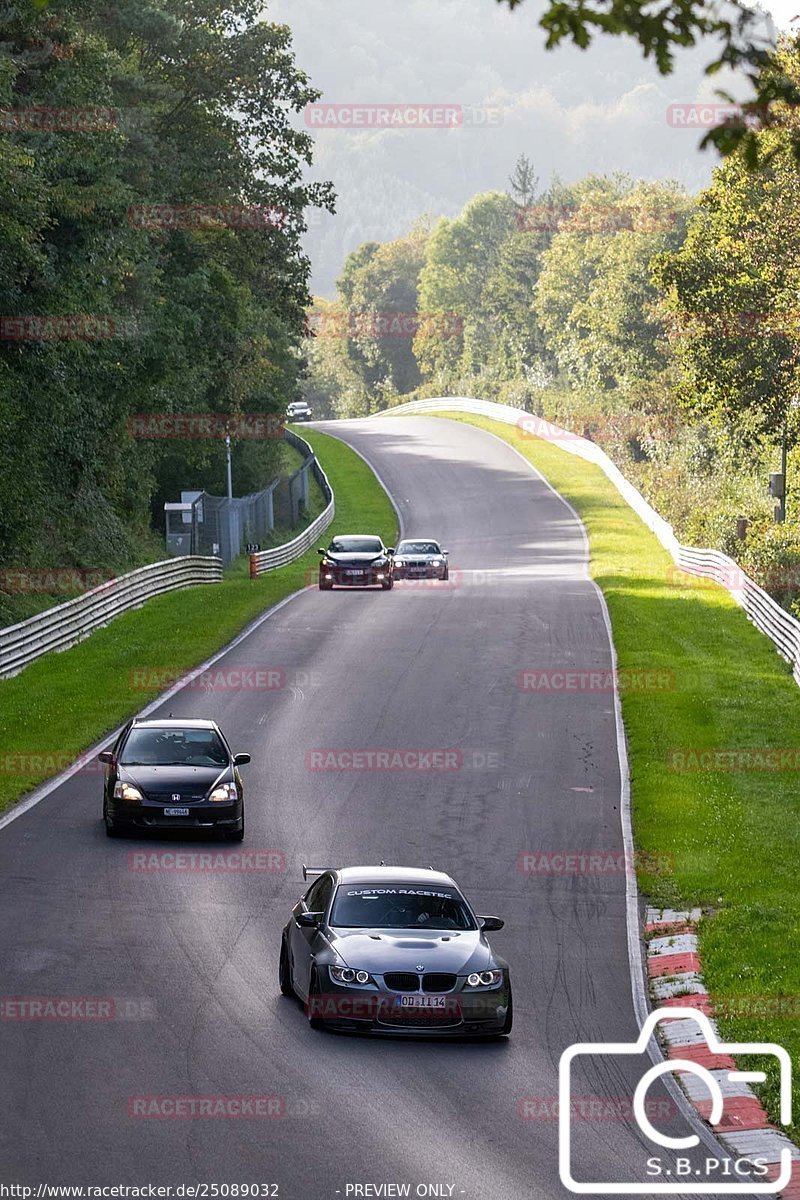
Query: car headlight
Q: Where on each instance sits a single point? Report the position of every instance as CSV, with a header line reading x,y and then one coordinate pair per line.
x,y
224,793
436,562
398,562
126,791
348,975
484,978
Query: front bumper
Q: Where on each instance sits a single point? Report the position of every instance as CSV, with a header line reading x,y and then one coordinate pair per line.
x,y
412,573
150,815
367,578
464,1014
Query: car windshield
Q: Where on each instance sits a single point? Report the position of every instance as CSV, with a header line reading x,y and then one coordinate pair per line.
x,y
418,548
400,907
174,747
356,545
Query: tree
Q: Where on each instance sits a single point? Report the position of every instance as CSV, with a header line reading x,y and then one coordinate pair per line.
x,y
524,182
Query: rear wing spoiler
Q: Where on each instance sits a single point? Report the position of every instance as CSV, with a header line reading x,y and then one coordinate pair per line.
x,y
307,871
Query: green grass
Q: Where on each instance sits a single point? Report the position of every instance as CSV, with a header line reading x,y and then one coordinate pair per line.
x,y
732,837
65,702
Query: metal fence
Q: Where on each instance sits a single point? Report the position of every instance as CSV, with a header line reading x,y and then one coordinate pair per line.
x,y
224,527
61,627
765,613
279,556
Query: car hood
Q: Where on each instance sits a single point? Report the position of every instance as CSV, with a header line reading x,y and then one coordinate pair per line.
x,y
381,950
189,781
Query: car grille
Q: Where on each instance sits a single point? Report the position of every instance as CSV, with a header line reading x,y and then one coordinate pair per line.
x,y
402,981
438,983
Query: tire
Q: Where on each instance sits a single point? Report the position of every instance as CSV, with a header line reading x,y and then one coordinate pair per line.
x,y
387,584
313,990
509,1021
285,971
446,575
111,830
324,586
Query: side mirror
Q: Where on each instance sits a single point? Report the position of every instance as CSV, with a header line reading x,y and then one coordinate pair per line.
x,y
320,550
106,756
390,549
445,553
491,924
309,920
239,760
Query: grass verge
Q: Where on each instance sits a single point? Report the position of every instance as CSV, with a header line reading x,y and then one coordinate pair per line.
x,y
65,702
729,838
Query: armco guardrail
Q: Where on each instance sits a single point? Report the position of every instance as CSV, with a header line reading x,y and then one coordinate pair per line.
x,y
60,627
766,614
279,556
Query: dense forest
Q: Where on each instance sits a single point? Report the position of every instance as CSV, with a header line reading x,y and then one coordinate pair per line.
x,y
151,170
666,326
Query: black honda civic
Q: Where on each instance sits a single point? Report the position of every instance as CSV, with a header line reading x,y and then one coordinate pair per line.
x,y
170,774
394,950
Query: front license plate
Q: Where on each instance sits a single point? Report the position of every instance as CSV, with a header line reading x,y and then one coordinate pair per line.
x,y
354,572
176,812
422,1001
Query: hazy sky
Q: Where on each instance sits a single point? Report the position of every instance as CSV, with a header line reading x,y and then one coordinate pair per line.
x,y
572,112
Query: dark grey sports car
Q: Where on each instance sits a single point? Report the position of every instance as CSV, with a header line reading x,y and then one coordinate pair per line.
x,y
394,950
420,558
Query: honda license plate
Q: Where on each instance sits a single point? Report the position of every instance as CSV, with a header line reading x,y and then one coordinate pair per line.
x,y
176,812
